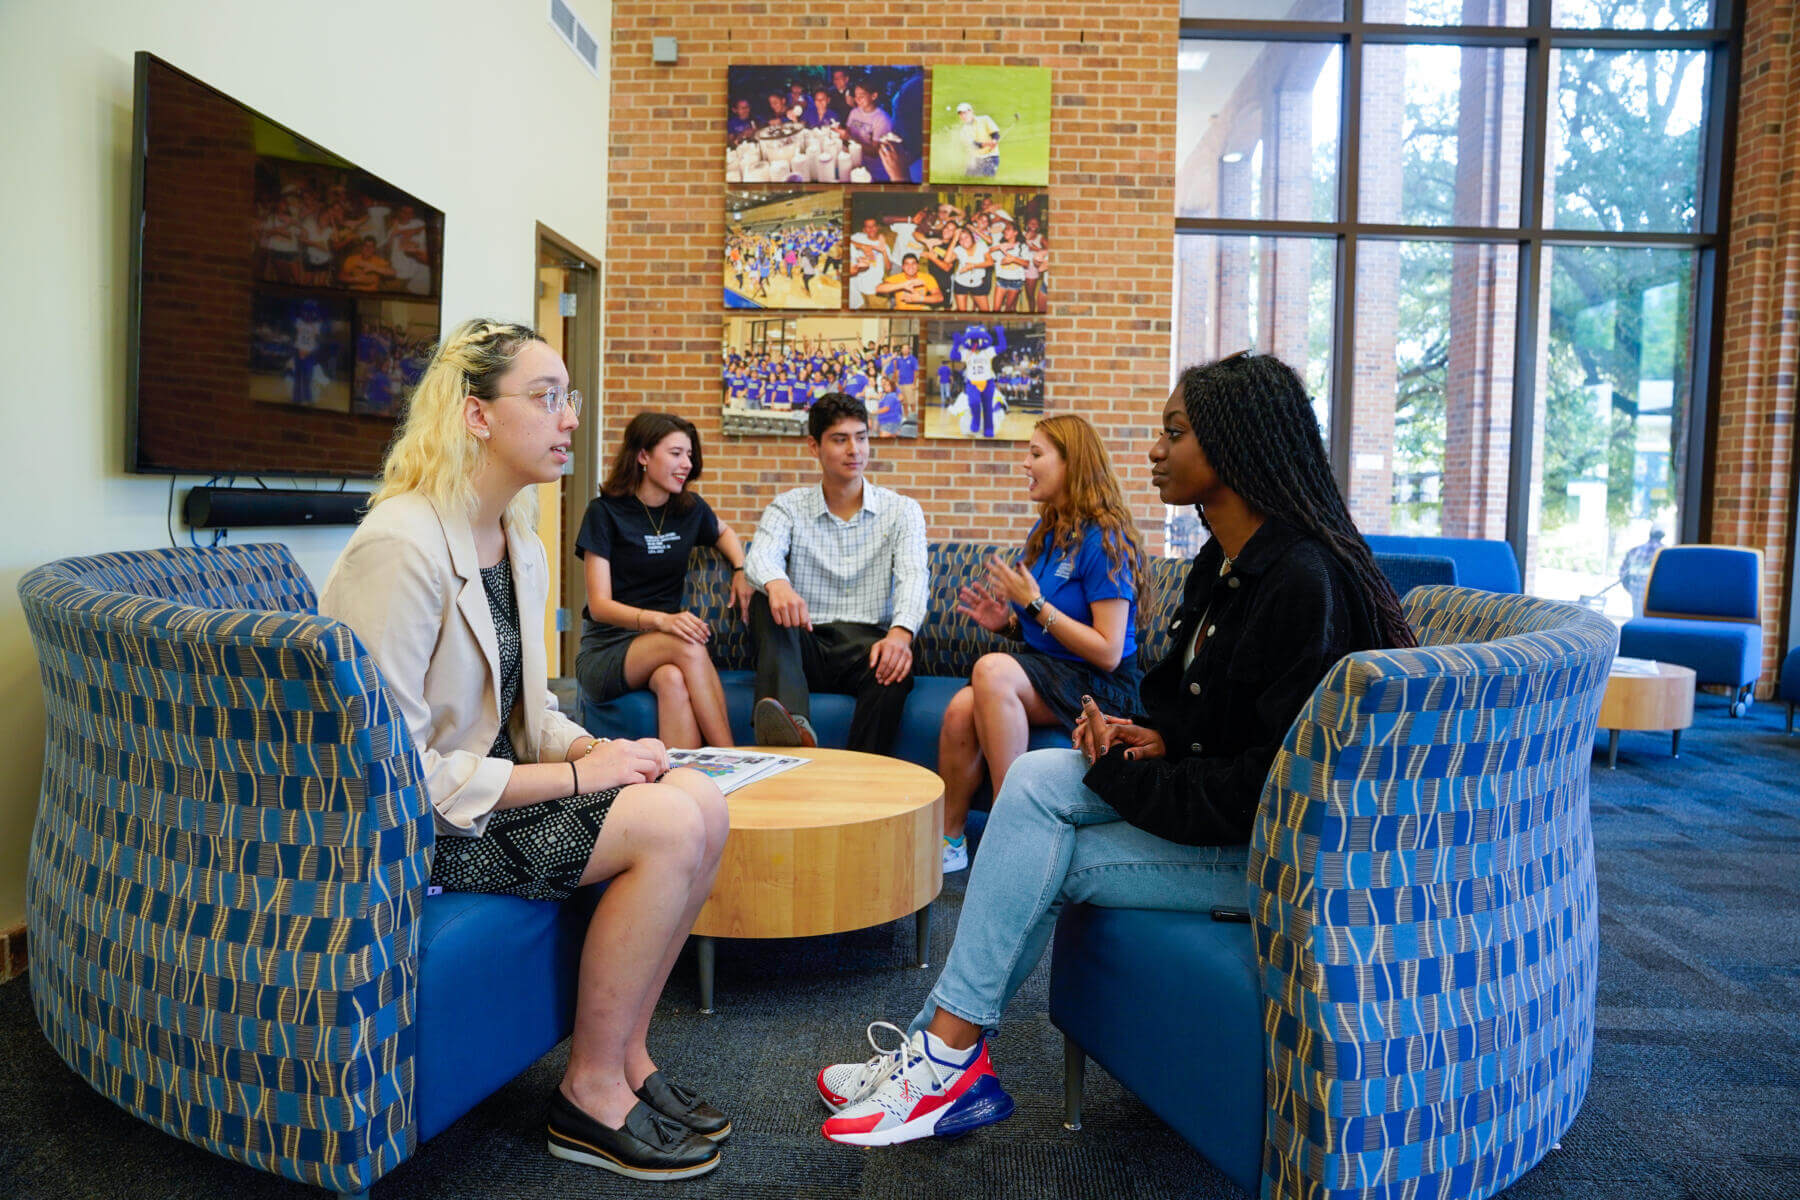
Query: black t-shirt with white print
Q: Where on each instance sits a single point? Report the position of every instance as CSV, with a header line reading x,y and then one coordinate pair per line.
x,y
647,549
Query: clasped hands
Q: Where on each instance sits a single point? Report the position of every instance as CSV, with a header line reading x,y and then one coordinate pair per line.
x,y
690,628
1096,733
620,762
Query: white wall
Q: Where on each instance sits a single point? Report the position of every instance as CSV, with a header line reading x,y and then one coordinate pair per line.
x,y
475,106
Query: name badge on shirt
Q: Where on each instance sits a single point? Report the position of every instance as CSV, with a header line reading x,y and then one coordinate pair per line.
x,y
656,543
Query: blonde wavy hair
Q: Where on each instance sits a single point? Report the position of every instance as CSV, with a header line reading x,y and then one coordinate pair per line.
x,y
433,451
1090,493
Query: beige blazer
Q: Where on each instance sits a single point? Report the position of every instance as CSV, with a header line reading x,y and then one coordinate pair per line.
x,y
409,586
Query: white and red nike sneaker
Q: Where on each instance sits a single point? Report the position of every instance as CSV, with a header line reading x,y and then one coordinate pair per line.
x,y
926,1091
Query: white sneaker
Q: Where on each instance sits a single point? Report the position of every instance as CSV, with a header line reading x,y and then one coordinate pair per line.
x,y
956,855
843,1084
919,1096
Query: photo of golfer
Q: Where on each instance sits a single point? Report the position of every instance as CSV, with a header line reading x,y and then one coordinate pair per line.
x,y
986,379
776,367
824,124
954,249
783,248
990,125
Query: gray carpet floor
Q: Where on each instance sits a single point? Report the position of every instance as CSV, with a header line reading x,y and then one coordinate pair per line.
x,y
1695,1091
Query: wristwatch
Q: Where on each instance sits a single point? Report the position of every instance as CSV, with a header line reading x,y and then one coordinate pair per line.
x,y
1036,606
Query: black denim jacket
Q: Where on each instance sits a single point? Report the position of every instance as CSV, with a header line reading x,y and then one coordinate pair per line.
x,y
1282,617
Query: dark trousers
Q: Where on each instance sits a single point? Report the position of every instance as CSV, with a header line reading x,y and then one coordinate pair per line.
x,y
832,657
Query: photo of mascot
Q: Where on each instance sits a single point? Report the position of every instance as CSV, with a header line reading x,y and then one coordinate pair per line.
x,y
978,407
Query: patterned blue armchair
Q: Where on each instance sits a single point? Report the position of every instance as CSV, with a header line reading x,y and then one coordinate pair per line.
x,y
1410,1010
226,889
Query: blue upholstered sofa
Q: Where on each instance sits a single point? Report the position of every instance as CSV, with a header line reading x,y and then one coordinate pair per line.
x,y
945,650
1410,1009
1485,563
230,935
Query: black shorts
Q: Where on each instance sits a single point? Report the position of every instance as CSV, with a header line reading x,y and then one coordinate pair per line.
x,y
979,289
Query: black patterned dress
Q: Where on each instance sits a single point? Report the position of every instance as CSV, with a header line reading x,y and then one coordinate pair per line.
x,y
537,851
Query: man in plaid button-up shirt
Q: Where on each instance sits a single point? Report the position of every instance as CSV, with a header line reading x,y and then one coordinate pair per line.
x,y
841,587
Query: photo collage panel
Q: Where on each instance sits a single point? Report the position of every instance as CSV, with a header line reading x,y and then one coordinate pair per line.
x,y
829,209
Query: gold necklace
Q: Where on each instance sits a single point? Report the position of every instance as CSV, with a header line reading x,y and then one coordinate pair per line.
x,y
656,526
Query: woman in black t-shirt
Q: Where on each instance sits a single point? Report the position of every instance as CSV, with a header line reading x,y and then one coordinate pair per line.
x,y
634,541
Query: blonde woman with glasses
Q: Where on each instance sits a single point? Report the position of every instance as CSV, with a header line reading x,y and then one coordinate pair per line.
x,y
444,582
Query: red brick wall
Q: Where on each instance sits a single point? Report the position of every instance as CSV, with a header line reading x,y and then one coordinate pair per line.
x,y
1753,472
1112,165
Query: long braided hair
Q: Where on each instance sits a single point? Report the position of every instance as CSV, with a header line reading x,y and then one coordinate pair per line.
x,y
1253,420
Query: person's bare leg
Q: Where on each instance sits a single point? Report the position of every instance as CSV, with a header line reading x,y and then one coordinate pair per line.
x,y
959,760
1006,707
716,821
706,695
653,847
675,723
645,660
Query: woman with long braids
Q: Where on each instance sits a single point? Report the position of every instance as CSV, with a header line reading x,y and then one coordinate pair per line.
x,y
445,582
1157,813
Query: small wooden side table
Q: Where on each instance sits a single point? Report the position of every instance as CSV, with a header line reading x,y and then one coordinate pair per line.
x,y
1643,700
845,842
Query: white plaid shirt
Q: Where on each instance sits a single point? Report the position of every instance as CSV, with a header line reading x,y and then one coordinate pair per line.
x,y
870,569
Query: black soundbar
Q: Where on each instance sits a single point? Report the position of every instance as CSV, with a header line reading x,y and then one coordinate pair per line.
x,y
236,508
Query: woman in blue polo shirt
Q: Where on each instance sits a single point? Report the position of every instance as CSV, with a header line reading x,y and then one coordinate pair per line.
x,y
1071,603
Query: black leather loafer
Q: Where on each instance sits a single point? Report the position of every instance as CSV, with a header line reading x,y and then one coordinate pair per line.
x,y
673,1100
648,1146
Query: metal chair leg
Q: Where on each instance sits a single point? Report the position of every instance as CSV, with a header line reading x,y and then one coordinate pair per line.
x,y
1612,750
1074,1077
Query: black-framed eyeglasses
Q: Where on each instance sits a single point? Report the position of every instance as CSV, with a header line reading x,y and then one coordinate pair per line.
x,y
553,398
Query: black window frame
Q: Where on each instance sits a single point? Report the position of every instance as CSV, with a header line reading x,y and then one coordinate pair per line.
x,y
1723,40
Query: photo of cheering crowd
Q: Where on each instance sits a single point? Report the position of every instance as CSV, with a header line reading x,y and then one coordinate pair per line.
x,y
781,366
783,249
394,341
953,250
986,379
325,227
824,124
300,352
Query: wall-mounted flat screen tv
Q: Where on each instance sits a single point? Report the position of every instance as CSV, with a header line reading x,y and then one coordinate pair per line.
x,y
284,300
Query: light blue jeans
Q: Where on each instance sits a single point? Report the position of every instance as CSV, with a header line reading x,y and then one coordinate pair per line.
x,y
1051,840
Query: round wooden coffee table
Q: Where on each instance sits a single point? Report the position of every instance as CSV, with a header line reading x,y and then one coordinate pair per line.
x,y
847,841
1647,696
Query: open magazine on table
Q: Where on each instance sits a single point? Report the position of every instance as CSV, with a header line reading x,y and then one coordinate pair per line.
x,y
732,769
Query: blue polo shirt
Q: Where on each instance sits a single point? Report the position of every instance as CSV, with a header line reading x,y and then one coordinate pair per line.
x,y
1073,583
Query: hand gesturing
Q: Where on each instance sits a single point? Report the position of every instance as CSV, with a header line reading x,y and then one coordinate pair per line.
x,y
983,607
